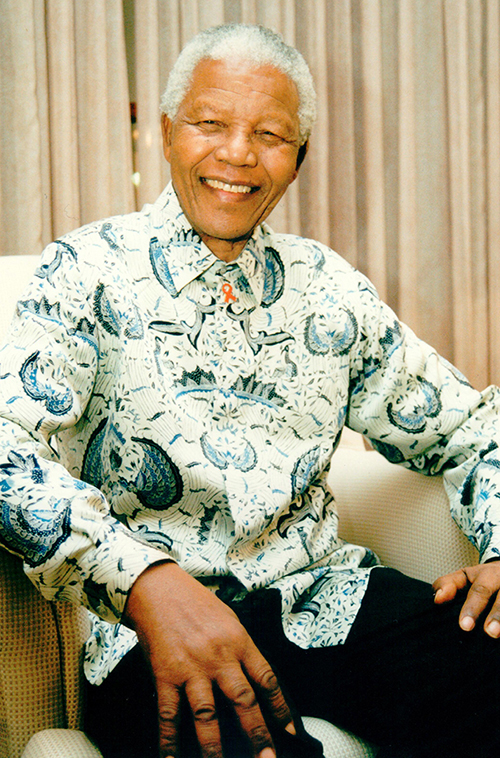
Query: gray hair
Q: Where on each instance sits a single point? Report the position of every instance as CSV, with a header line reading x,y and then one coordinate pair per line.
x,y
248,42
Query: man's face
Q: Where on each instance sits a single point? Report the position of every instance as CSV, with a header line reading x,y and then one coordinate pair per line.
x,y
232,149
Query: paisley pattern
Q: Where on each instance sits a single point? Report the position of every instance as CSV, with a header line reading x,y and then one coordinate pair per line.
x,y
39,529
239,454
414,420
320,338
56,400
104,312
274,277
158,484
94,464
108,233
160,267
48,269
112,321
200,427
305,471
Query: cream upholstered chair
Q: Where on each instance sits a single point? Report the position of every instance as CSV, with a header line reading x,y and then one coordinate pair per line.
x,y
402,515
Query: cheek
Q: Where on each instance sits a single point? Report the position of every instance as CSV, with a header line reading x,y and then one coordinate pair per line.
x,y
282,174
190,152
281,166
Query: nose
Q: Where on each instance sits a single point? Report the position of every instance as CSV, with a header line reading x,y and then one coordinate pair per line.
x,y
236,148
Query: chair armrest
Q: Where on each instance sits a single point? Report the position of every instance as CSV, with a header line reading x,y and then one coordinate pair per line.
x,y
40,659
336,742
60,743
402,515
31,693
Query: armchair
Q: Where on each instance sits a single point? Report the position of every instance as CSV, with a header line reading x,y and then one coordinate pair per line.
x,y
402,515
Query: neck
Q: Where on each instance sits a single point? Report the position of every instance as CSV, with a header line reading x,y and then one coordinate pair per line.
x,y
225,250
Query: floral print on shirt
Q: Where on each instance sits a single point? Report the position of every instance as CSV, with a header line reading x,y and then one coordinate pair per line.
x,y
195,406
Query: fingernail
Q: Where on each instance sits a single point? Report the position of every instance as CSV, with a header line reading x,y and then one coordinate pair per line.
x,y
290,728
493,629
467,623
438,594
268,752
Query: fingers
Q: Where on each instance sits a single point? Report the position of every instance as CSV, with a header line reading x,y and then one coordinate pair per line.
x,y
238,690
195,643
269,691
484,592
241,696
168,720
492,623
245,689
201,701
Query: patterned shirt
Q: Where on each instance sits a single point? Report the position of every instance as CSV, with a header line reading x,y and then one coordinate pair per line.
x,y
158,402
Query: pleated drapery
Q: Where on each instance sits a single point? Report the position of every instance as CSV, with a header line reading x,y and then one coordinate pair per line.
x,y
65,135
403,172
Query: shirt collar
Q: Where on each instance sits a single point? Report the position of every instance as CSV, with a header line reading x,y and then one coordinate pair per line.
x,y
179,256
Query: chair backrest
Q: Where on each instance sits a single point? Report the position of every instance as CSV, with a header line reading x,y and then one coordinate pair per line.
x,y
15,273
402,515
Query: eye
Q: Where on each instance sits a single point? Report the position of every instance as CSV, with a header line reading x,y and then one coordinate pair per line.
x,y
210,125
269,137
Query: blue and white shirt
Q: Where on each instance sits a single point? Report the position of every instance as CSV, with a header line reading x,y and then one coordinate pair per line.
x,y
196,406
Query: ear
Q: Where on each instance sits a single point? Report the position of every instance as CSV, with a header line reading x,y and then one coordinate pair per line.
x,y
301,155
166,130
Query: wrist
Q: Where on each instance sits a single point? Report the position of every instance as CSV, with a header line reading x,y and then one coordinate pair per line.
x,y
148,585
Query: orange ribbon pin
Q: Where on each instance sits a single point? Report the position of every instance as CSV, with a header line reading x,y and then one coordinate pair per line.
x,y
228,292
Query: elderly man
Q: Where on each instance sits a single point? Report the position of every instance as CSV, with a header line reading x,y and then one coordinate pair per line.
x,y
196,370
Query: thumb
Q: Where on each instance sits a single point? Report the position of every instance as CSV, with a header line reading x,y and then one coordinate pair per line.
x,y
446,587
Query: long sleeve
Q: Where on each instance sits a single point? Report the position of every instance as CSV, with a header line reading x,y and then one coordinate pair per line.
x,y
72,547
145,418
419,411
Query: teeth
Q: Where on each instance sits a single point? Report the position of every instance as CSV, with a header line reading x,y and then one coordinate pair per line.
x,y
236,188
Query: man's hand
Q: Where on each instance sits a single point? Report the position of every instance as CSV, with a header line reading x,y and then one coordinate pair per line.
x,y
484,590
193,641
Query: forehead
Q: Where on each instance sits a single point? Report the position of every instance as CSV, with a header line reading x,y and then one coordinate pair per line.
x,y
239,84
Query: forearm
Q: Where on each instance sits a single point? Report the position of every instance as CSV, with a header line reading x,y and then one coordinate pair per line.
x,y
72,547
420,412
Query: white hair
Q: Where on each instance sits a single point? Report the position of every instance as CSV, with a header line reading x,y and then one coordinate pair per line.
x,y
253,43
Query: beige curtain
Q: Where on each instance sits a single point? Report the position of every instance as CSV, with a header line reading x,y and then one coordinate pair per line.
x,y
403,174
65,155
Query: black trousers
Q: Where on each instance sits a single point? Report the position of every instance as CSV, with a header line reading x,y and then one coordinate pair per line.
x,y
407,679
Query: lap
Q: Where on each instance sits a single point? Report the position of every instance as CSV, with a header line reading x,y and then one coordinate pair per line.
x,y
404,673
408,678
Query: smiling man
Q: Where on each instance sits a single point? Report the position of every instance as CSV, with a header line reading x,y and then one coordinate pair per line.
x,y
196,370
233,149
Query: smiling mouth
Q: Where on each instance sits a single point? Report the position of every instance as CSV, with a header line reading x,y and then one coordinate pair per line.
x,y
236,189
